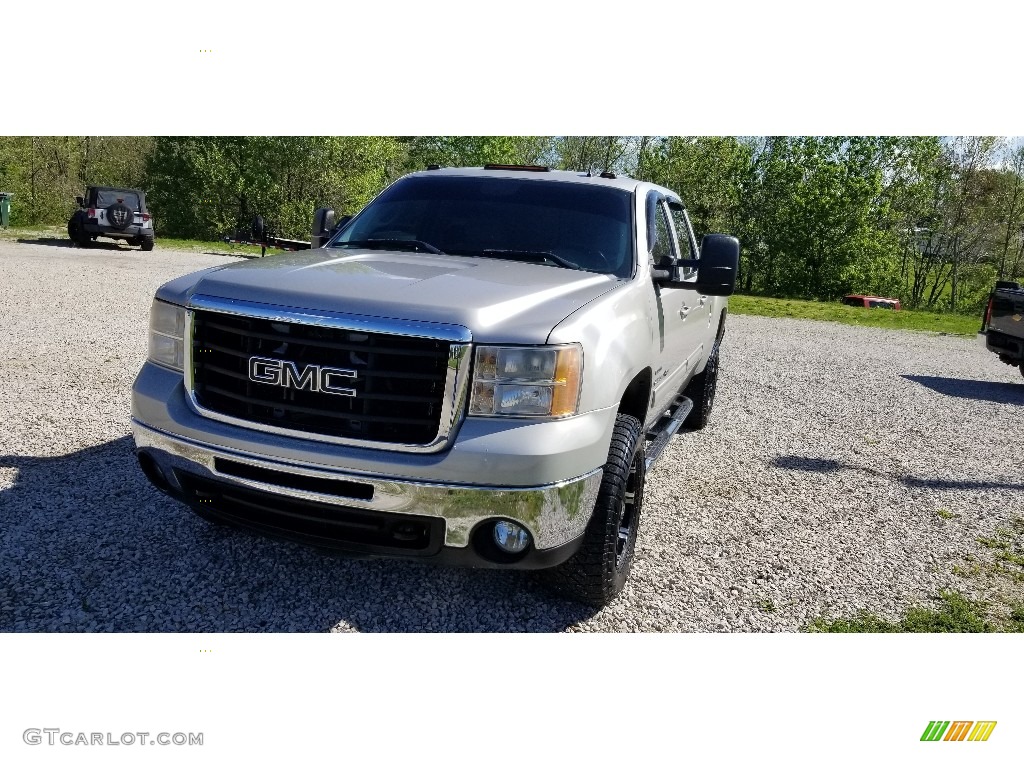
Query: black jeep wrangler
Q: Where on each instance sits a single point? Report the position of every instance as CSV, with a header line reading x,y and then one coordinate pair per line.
x,y
110,212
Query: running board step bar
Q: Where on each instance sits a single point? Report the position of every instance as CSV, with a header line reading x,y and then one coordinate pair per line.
x,y
661,433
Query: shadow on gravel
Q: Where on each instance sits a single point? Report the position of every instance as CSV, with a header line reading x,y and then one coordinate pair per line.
x,y
87,545
808,464
57,241
991,391
63,242
812,464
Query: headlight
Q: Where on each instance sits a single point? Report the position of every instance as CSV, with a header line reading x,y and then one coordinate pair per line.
x,y
167,335
527,381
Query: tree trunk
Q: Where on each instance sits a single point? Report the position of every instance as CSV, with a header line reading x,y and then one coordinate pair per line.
x,y
1016,262
955,275
84,180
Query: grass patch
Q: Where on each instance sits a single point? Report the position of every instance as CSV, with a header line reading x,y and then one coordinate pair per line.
x,y
1007,549
1017,618
167,243
1001,570
31,233
1012,557
206,246
955,614
945,514
974,569
905,320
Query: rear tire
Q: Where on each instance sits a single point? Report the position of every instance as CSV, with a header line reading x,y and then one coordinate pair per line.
x,y
701,390
147,244
76,230
597,573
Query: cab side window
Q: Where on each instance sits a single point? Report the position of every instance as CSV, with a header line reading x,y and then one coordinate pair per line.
x,y
682,226
684,237
663,247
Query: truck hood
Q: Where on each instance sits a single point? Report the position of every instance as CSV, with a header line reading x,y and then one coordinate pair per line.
x,y
498,300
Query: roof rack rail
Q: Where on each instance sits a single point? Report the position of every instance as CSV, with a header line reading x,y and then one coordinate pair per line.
x,y
513,167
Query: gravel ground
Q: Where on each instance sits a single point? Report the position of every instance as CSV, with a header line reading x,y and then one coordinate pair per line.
x,y
816,491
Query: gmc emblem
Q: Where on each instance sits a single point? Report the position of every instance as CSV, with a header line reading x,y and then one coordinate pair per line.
x,y
315,378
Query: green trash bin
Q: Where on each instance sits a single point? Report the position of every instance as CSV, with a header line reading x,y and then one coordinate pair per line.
x,y
5,209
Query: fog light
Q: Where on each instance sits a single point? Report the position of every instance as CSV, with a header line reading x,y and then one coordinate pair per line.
x,y
510,537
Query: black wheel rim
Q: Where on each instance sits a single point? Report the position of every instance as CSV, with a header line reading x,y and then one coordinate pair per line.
x,y
631,499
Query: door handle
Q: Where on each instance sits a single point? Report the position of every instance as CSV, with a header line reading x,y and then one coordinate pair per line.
x,y
703,300
683,312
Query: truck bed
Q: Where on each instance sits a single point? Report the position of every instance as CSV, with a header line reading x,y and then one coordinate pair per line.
x,y
1008,312
1004,325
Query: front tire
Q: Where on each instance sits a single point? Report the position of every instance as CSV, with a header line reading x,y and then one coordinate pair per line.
x,y
597,573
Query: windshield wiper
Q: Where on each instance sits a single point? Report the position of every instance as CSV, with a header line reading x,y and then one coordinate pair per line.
x,y
536,256
395,244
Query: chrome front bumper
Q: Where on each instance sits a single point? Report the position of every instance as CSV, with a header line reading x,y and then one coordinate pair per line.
x,y
554,514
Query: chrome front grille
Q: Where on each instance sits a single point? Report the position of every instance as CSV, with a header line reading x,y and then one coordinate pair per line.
x,y
326,376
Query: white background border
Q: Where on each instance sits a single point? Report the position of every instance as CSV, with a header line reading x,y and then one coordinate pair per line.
x,y
404,68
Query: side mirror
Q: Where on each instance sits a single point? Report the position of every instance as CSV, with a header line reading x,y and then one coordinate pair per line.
x,y
718,265
81,201
716,268
323,224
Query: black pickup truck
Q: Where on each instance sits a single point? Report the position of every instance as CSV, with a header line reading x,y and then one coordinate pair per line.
x,y
1003,323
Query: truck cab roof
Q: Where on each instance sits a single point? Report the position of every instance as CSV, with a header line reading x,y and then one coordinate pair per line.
x,y
540,173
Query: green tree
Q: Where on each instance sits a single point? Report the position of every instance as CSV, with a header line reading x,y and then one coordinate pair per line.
x,y
46,173
207,186
597,154
712,174
809,212
1008,213
474,151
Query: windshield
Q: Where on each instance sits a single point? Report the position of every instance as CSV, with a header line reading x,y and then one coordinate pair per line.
x,y
569,225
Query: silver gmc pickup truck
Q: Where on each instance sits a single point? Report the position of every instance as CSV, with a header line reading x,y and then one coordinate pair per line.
x,y
476,369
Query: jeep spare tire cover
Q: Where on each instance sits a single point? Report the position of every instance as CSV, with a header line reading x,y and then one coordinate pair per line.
x,y
120,216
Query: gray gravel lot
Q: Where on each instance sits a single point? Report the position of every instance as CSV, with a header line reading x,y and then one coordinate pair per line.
x,y
816,491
